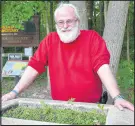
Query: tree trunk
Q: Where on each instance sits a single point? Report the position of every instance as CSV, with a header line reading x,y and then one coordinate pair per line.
x,y
89,13
47,31
105,9
94,17
51,14
128,53
1,62
101,17
81,5
134,20
114,32
47,25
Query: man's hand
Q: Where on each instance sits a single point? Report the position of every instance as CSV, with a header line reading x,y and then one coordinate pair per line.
x,y
8,96
122,103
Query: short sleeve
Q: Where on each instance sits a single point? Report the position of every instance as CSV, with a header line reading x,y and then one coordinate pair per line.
x,y
40,57
99,52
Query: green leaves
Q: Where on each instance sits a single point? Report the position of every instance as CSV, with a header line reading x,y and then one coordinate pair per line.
x,y
14,13
71,100
125,78
49,114
101,106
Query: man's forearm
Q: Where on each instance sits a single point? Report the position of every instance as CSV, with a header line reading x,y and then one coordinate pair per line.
x,y
28,77
108,80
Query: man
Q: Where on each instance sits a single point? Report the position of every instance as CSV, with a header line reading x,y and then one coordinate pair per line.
x,y
78,61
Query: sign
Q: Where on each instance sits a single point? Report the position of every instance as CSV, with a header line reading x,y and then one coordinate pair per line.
x,y
19,39
8,29
14,56
12,37
14,68
28,52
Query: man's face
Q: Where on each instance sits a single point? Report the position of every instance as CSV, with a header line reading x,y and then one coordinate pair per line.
x,y
67,25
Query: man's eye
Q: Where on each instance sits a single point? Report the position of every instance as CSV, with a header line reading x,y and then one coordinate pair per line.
x,y
69,21
60,22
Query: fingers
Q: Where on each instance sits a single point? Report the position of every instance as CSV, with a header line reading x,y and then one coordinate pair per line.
x,y
6,97
119,107
121,104
129,106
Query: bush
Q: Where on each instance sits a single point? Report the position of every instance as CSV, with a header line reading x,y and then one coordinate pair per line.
x,y
125,78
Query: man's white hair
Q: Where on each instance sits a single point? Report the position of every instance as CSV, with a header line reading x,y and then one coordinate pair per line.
x,y
65,5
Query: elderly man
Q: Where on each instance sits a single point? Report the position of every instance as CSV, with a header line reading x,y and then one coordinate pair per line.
x,y
78,61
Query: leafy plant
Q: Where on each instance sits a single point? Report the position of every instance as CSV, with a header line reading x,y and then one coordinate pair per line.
x,y
15,13
125,78
49,114
71,100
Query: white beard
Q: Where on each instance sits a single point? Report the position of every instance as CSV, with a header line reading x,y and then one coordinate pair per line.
x,y
70,36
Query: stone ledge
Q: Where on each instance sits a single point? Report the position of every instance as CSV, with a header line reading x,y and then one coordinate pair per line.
x,y
117,117
114,115
13,121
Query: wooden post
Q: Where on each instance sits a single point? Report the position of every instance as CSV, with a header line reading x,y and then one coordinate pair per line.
x,y
1,63
17,78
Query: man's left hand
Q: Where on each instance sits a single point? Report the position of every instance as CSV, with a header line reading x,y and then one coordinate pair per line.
x,y
122,103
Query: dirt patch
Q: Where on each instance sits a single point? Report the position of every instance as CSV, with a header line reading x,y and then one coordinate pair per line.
x,y
39,89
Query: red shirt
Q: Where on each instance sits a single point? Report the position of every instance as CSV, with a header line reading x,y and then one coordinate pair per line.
x,y
73,66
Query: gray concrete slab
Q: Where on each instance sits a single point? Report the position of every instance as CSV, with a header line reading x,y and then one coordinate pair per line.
x,y
13,121
118,117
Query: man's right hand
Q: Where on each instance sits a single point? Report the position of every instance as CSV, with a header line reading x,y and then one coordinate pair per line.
x,y
8,96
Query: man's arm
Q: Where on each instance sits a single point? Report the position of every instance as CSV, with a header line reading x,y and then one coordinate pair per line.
x,y
28,77
110,83
108,80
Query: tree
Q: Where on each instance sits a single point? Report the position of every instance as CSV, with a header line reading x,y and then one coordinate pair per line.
x,y
14,13
127,30
51,14
90,13
101,17
105,9
114,31
94,15
81,5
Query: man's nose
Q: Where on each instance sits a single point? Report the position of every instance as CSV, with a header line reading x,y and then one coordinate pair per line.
x,y
65,25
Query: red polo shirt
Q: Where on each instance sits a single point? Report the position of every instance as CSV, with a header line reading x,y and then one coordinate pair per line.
x,y
72,66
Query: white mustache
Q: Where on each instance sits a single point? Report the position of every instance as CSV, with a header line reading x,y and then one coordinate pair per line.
x,y
65,29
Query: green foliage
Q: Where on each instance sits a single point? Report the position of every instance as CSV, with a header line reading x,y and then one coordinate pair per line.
x,y
71,100
125,78
131,48
57,115
23,68
131,13
42,76
7,85
14,13
101,106
130,19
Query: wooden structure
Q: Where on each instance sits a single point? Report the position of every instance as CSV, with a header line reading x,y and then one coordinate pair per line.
x,y
24,38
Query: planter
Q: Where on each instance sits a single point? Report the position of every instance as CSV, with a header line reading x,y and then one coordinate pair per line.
x,y
111,114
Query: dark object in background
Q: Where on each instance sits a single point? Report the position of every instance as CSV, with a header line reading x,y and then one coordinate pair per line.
x,y
29,26
104,98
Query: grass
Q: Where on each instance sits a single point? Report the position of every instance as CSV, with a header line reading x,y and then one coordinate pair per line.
x,y
8,83
125,78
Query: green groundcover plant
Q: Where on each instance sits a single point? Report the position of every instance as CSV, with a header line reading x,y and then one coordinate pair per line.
x,y
125,78
64,116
